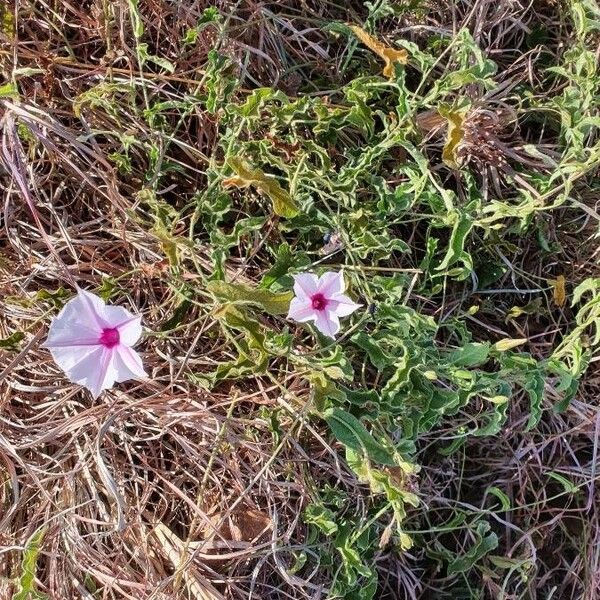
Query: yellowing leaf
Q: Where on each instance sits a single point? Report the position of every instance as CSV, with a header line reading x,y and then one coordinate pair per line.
x,y
246,176
389,55
9,90
406,541
7,21
508,344
499,399
454,137
514,312
560,292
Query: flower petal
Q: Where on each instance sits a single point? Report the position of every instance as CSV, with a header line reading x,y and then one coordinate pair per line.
x,y
305,284
130,330
331,283
128,364
301,310
77,324
342,305
91,308
327,323
68,334
94,371
115,315
67,357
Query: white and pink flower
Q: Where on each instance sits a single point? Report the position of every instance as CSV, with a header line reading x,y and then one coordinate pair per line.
x,y
321,300
92,343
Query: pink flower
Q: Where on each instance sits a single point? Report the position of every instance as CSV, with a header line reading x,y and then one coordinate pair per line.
x,y
91,342
321,300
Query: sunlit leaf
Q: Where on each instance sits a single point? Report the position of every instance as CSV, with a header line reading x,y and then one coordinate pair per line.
x,y
509,344
9,90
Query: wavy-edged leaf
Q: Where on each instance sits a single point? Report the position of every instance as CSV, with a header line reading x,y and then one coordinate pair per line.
x,y
483,544
246,176
271,302
454,136
26,580
353,434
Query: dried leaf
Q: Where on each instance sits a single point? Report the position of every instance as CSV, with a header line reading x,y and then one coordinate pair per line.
x,y
454,136
560,292
246,176
389,55
178,552
244,524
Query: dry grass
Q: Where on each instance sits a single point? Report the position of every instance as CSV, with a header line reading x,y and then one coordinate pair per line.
x,y
162,489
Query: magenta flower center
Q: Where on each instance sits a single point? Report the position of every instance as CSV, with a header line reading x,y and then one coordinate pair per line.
x,y
110,337
319,302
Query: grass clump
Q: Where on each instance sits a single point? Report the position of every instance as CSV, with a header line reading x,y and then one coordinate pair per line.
x,y
188,161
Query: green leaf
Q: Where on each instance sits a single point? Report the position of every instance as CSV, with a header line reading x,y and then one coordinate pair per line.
x,y
463,223
252,356
219,81
239,293
377,356
322,517
136,19
246,175
163,63
9,90
503,562
483,544
12,342
238,319
26,580
283,263
498,493
178,315
209,15
587,285
353,434
568,485
535,389
470,355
